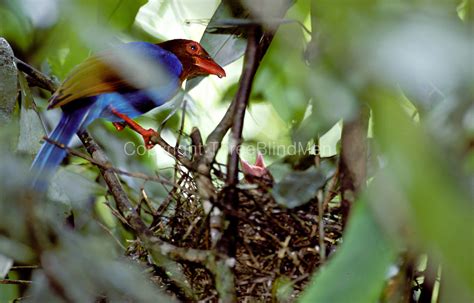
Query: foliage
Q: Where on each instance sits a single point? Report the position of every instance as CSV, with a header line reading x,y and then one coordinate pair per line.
x,y
408,64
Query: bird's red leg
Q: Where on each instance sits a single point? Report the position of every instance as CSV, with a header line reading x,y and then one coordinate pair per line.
x,y
146,133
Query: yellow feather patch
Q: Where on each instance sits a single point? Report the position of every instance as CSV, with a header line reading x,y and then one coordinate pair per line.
x,y
90,78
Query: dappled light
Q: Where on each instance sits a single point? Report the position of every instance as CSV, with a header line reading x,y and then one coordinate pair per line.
x,y
129,129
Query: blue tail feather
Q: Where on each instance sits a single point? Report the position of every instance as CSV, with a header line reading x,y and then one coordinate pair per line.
x,y
50,156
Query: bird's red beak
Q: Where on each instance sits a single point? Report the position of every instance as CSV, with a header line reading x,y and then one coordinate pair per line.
x,y
208,66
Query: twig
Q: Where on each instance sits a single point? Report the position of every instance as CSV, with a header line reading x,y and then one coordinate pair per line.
x,y
117,214
233,22
109,166
322,246
123,203
331,193
108,231
241,101
16,282
178,139
21,267
353,160
196,141
214,140
40,79
144,197
159,250
157,139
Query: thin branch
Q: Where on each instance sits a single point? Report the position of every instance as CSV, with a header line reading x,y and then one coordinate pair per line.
x,y
226,241
196,141
353,160
214,140
322,245
123,203
178,139
331,191
241,101
109,166
21,267
157,139
111,234
270,22
38,77
15,282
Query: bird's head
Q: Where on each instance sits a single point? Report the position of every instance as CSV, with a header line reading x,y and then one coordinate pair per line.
x,y
257,173
194,58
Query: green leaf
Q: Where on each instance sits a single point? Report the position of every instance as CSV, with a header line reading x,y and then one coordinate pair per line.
x,y
15,250
92,266
283,75
425,184
14,25
224,44
357,271
282,289
69,51
298,187
31,128
5,264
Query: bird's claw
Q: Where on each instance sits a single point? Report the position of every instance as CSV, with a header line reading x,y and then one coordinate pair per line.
x,y
119,125
147,136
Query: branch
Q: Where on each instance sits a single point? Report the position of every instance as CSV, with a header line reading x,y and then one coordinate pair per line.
x,y
37,77
157,139
353,162
241,101
16,282
214,140
138,175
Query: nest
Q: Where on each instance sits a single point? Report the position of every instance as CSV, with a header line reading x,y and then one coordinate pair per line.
x,y
276,249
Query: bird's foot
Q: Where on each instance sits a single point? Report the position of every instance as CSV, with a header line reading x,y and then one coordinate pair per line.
x,y
147,135
119,125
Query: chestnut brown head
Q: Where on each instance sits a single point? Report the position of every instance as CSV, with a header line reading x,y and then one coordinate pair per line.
x,y
194,58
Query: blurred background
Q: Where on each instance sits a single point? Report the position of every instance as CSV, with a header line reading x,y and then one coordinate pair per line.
x,y
406,66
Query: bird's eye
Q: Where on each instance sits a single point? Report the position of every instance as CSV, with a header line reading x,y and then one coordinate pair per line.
x,y
193,47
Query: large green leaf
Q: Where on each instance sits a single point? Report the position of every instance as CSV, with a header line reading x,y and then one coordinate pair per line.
x,y
357,271
425,186
299,187
283,74
31,128
225,44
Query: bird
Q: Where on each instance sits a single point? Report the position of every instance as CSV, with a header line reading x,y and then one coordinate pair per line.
x,y
119,84
257,173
